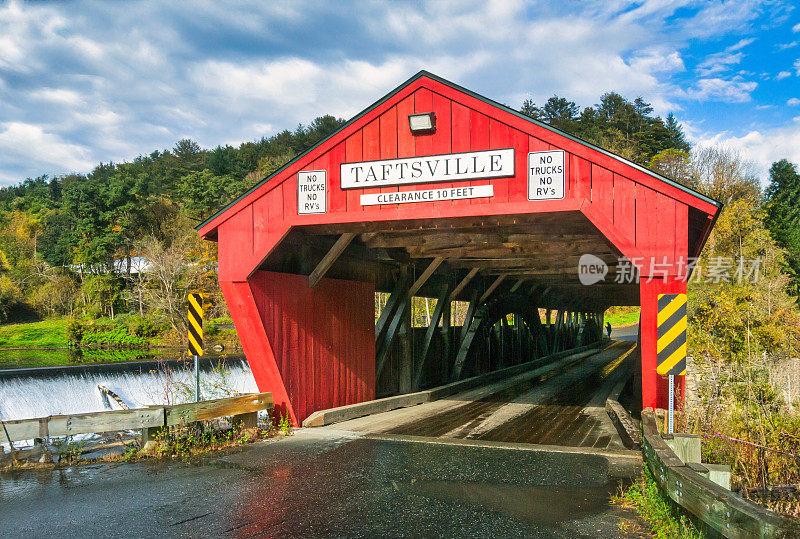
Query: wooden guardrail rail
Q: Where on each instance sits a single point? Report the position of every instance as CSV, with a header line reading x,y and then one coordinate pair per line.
x,y
720,509
242,408
352,411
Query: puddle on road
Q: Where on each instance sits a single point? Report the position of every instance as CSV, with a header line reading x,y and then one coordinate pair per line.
x,y
548,505
25,482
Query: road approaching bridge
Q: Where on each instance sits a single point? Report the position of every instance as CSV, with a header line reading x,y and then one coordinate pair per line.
x,y
448,468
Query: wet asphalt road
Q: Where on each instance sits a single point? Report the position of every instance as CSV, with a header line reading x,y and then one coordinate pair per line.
x,y
330,483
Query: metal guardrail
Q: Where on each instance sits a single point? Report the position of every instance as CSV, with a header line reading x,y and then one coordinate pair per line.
x,y
152,417
720,509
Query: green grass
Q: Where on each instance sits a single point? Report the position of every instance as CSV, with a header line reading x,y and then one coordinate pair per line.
x,y
663,516
45,334
622,316
104,341
99,336
25,359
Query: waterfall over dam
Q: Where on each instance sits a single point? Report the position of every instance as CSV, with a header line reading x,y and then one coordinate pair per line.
x,y
64,392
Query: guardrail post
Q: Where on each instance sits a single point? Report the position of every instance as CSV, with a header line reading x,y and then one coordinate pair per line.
x,y
245,421
150,433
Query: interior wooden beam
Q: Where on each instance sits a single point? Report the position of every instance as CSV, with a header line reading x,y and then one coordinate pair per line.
x,y
516,286
429,333
491,288
464,282
427,224
472,237
523,269
568,271
383,352
331,256
395,299
511,249
425,275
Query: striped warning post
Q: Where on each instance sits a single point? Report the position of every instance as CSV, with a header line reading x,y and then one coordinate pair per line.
x,y
196,324
671,324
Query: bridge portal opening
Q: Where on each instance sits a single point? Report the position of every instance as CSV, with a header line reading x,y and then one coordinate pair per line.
x,y
516,278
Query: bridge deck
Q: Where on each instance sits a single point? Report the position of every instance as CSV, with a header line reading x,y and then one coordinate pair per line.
x,y
565,409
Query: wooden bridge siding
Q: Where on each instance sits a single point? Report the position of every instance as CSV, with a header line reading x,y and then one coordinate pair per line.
x,y
629,205
323,338
256,343
623,202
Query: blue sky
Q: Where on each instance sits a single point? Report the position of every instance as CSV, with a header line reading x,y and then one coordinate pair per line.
x,y
84,82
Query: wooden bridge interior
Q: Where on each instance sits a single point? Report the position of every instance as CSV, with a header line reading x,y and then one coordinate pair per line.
x,y
518,273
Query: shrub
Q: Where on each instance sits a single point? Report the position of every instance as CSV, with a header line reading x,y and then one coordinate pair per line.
x,y
117,335
142,326
75,331
661,513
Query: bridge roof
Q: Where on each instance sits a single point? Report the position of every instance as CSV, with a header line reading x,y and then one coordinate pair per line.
x,y
611,207
210,224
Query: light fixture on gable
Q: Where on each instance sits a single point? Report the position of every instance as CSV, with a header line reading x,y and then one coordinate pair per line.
x,y
422,124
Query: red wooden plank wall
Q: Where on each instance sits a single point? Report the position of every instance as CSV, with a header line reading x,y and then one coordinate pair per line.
x,y
631,207
642,217
322,338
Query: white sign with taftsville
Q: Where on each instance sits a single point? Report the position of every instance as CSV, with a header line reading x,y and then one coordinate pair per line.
x,y
452,167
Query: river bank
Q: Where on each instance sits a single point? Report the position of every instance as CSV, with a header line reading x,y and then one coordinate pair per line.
x,y
82,341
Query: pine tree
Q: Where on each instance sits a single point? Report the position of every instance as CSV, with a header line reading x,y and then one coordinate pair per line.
x,y
782,214
676,139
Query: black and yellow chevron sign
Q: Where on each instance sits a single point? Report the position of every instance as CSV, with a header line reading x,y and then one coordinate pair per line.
x,y
196,324
671,324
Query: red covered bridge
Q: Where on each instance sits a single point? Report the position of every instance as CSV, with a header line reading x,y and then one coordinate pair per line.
x,y
436,191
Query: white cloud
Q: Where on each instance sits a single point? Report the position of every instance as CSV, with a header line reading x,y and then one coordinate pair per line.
x,y
796,27
784,46
63,96
782,75
762,147
740,44
718,62
731,91
796,66
657,61
35,143
793,102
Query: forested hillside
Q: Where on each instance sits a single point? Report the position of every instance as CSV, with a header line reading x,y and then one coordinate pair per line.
x,y
68,243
